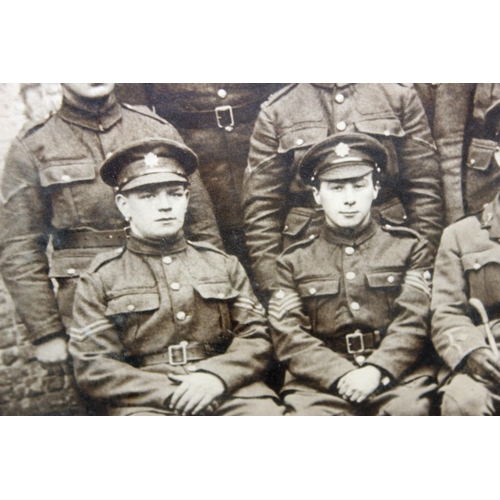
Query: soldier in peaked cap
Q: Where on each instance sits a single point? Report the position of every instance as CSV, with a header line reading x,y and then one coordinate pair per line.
x,y
349,307
167,326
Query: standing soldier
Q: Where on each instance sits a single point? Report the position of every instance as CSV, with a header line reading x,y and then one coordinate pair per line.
x,y
215,120
468,267
51,188
279,209
349,310
167,326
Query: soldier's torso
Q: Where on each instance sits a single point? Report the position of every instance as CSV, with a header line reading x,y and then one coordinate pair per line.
x,y
159,300
347,286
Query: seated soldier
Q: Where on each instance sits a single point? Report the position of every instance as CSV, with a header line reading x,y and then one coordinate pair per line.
x,y
466,311
349,310
166,326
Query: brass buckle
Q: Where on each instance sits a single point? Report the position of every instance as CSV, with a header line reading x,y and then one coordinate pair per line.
x,y
220,117
172,349
355,337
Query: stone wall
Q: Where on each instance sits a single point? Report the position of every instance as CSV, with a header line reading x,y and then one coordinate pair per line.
x,y
26,386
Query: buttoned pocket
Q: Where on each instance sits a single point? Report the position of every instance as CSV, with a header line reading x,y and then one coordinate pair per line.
x,y
386,126
482,271
301,137
482,174
66,172
392,212
317,287
385,279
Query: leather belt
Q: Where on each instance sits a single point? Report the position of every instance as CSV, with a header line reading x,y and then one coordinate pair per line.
x,y
356,343
177,354
224,117
88,239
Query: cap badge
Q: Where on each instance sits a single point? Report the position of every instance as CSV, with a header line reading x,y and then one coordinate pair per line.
x,y
151,160
342,149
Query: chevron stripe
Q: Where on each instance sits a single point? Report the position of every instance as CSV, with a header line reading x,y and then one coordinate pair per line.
x,y
250,305
92,329
277,311
416,279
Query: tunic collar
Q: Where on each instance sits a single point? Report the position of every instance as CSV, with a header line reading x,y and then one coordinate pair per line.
x,y
491,218
156,247
95,119
352,238
331,85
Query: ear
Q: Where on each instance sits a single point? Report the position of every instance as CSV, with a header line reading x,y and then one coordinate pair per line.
x,y
122,204
376,189
315,191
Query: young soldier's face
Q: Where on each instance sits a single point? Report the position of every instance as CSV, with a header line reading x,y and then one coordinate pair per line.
x,y
155,211
347,202
89,90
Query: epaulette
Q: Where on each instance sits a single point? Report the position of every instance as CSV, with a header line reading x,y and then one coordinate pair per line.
x,y
204,245
300,243
145,111
32,125
104,257
403,231
280,93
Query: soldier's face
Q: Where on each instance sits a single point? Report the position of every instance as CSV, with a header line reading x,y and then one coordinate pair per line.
x,y
156,211
89,90
347,202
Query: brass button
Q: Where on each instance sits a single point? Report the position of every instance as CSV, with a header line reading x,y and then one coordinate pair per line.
x,y
355,306
192,368
312,291
229,128
341,126
65,178
181,315
349,250
167,260
390,279
350,275
220,295
360,360
299,142
71,271
477,266
340,98
130,307
312,237
175,286
280,294
221,93
387,133
286,228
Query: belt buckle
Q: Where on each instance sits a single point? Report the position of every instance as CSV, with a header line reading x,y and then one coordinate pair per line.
x,y
219,110
182,347
355,337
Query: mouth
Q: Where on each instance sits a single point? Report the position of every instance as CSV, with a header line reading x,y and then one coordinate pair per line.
x,y
166,219
349,214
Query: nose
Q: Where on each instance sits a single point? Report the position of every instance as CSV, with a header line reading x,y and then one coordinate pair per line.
x,y
349,198
163,202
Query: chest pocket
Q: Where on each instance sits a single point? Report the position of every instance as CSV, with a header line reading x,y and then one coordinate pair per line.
x,y
318,288
386,127
131,311
482,271
482,174
384,288
212,303
67,172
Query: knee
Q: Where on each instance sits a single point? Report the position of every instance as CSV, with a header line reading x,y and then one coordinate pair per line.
x,y
466,397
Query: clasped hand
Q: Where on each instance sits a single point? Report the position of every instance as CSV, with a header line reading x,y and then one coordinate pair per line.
x,y
482,365
359,384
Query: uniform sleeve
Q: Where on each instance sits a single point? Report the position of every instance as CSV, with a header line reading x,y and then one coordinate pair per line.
x,y
247,357
265,187
306,357
408,333
98,357
420,182
453,333
24,234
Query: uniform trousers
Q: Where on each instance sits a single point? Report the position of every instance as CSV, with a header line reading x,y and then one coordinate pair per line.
x,y
465,396
413,398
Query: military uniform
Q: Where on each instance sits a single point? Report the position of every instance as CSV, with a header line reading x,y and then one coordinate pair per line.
x,y
215,120
352,297
279,209
167,306
467,266
51,187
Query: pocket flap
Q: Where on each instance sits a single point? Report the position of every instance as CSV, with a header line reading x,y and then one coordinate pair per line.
x,y
393,212
480,153
67,173
381,126
385,279
216,291
69,267
312,288
301,138
475,261
133,303
296,221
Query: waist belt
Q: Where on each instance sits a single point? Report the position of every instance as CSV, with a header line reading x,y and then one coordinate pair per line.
x,y
356,343
178,354
225,117
88,239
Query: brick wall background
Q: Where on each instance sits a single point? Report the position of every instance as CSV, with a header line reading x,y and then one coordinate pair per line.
x,y
26,386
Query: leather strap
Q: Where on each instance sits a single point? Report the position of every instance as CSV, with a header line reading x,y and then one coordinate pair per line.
x,y
355,343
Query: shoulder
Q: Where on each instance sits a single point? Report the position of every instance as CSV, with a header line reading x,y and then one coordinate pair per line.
x,y
280,94
32,126
401,232
467,225
104,259
299,247
203,246
144,111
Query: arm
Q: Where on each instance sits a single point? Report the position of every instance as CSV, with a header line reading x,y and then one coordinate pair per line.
x,y
24,234
306,357
265,188
453,332
407,334
420,171
98,357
